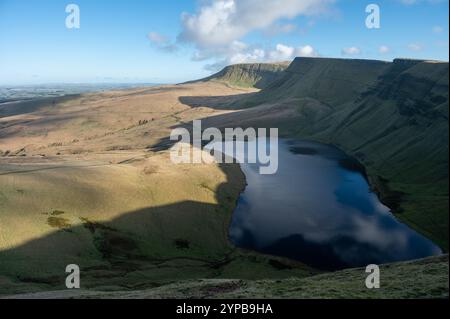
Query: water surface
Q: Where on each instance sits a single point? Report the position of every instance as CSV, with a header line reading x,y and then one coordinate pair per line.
x,y
319,209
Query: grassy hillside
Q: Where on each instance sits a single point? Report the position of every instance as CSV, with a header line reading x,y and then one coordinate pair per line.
x,y
258,75
393,117
87,179
427,278
80,183
330,81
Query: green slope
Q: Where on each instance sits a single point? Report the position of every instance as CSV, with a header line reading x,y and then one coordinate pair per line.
x,y
258,75
427,278
332,81
393,117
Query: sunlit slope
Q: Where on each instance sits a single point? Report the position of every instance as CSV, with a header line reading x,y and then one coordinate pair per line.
x,y
151,201
392,116
258,75
81,183
102,122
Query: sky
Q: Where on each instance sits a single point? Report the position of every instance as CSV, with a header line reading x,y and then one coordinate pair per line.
x,y
171,41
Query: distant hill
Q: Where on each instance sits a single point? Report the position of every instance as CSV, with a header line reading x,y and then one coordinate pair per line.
x,y
258,75
392,116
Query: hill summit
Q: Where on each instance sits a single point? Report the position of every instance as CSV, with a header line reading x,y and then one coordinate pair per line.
x,y
258,75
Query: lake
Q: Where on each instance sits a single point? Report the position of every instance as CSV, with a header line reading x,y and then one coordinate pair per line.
x,y
318,209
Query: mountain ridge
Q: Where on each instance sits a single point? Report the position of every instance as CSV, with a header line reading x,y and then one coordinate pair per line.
x,y
391,116
258,75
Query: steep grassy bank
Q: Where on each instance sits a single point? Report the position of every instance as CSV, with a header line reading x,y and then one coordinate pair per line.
x,y
258,75
393,117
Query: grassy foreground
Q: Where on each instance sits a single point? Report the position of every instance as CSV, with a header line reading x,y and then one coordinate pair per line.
x,y
427,278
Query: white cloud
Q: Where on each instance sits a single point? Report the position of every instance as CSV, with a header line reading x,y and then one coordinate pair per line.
x,y
161,42
415,47
220,22
281,53
157,38
242,53
384,49
218,26
306,51
351,51
280,28
438,29
411,2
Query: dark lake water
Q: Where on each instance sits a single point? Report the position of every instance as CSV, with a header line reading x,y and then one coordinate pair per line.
x,y
318,209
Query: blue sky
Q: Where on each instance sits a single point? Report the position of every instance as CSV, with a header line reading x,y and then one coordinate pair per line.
x,y
172,41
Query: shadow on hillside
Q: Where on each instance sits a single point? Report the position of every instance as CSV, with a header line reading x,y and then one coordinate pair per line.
x,y
259,117
224,102
178,241
34,105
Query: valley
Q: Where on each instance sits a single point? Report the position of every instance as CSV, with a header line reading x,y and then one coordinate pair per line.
x,y
87,179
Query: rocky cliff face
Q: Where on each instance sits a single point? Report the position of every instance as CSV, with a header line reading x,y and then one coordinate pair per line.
x,y
258,75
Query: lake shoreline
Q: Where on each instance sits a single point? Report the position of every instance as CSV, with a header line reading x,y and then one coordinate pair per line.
x,y
251,211
379,184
